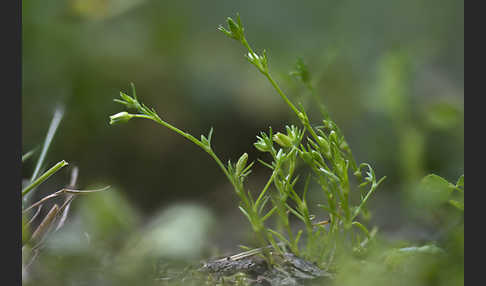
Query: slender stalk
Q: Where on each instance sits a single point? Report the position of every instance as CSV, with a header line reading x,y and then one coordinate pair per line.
x,y
193,140
267,185
282,94
363,202
47,142
44,177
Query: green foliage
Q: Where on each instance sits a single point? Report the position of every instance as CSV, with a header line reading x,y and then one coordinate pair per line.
x,y
321,154
326,154
435,191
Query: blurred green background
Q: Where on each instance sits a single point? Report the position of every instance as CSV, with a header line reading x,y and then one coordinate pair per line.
x,y
391,73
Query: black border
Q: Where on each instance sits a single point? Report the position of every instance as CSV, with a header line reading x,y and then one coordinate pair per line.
x,y
11,30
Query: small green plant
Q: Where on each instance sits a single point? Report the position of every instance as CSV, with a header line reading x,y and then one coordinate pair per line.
x,y
323,149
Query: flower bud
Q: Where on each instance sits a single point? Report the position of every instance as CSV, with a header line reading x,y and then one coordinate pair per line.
x,y
282,139
333,137
120,117
327,124
261,146
280,155
234,28
324,146
130,102
241,164
315,155
307,157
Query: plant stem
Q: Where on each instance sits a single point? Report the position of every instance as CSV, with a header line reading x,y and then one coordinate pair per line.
x,y
363,202
44,177
47,142
282,94
193,140
267,185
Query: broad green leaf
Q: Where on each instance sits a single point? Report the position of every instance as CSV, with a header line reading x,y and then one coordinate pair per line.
x,y
435,190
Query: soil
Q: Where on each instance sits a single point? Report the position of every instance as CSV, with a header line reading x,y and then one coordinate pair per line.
x,y
287,270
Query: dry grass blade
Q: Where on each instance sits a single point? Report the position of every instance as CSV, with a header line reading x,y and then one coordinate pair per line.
x,y
35,215
81,192
324,222
74,177
65,210
67,203
44,199
248,253
45,224
64,191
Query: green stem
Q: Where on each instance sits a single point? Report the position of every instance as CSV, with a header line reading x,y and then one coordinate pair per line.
x,y
302,116
267,185
345,204
44,177
194,140
247,46
252,212
282,94
56,120
363,202
362,227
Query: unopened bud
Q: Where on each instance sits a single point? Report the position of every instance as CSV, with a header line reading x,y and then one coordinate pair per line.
x,y
241,164
307,157
282,139
120,117
333,137
324,146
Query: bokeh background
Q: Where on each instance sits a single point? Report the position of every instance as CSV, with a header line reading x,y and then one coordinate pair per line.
x,y
391,74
